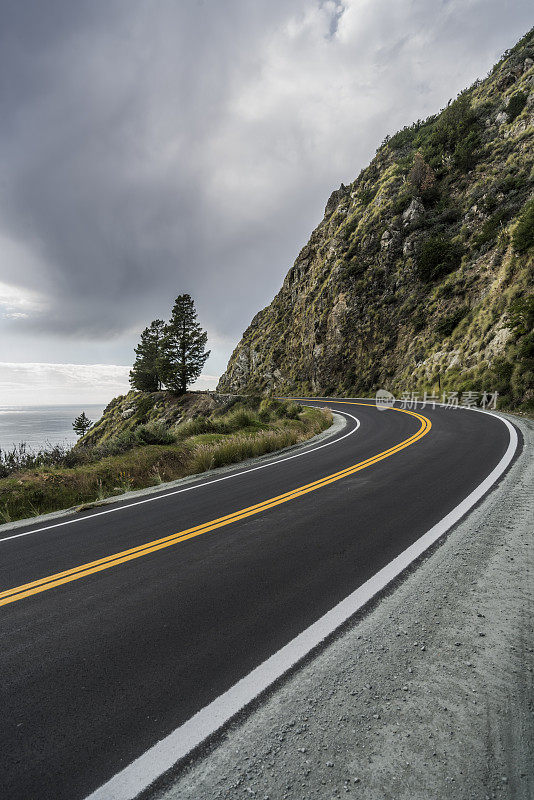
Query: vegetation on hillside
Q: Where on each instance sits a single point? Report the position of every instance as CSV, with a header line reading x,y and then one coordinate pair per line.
x,y
410,280
149,453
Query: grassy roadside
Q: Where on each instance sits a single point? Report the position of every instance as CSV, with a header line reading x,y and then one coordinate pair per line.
x,y
192,447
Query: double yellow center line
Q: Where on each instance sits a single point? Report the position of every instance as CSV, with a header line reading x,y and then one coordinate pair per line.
x,y
82,571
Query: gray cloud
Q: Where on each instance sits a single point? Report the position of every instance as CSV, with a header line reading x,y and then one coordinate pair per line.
x,y
152,148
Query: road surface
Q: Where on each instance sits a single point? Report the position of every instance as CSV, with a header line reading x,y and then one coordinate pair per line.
x,y
118,627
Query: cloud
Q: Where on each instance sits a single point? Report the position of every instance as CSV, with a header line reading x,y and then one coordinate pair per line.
x,y
17,303
49,384
148,150
43,384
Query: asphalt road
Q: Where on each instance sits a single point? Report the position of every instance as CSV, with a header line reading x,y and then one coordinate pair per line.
x,y
97,669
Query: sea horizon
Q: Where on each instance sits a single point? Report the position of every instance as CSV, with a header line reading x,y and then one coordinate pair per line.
x,y
43,425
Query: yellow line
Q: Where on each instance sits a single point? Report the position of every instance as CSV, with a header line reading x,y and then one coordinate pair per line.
x,y
51,581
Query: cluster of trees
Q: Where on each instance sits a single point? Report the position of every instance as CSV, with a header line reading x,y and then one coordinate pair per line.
x,y
171,354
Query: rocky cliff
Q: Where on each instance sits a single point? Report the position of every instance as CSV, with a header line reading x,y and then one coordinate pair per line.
x,y
419,276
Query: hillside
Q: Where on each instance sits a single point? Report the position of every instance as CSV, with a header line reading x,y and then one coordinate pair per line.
x,y
126,413
419,276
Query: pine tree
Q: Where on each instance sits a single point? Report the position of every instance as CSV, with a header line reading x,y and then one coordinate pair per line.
x,y
184,347
145,374
81,424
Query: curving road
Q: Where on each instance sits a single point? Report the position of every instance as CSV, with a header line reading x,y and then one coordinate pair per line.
x,y
118,625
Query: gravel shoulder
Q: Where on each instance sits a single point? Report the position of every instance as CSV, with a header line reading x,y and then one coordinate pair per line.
x,y
429,695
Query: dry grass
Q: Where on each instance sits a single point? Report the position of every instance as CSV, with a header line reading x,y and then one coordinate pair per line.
x,y
32,492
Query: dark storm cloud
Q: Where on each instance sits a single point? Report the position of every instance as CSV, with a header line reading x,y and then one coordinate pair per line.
x,y
152,148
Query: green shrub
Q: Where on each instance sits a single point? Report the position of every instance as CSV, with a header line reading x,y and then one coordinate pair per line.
x,y
521,315
154,433
430,195
437,256
492,227
350,226
502,372
512,181
440,221
516,105
269,404
289,410
367,195
408,135
21,457
355,267
267,409
117,444
455,132
229,403
418,319
447,324
240,418
525,348
401,201
523,236
196,426
454,123
465,152
143,404
252,401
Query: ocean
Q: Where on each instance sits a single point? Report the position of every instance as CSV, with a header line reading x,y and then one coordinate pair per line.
x,y
42,426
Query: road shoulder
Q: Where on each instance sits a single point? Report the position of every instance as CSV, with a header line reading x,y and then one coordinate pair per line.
x,y
428,695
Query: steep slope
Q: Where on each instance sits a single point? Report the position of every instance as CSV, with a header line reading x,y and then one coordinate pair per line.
x,y
124,414
419,276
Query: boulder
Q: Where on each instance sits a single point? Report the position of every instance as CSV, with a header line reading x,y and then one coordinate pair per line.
x,y
414,212
335,199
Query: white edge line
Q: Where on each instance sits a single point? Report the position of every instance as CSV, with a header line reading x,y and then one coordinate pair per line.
x,y
160,758
186,488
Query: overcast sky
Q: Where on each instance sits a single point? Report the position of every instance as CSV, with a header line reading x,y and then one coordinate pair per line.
x,y
154,147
